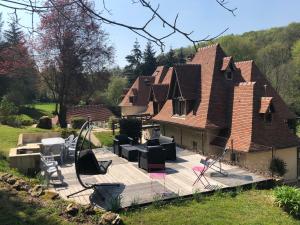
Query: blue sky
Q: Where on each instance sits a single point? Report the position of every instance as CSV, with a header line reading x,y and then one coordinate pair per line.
x,y
204,17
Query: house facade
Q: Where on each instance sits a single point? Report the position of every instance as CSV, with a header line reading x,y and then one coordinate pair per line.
x,y
212,103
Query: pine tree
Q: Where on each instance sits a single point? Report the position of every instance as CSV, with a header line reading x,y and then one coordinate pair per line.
x,y
134,59
149,60
13,35
181,57
171,58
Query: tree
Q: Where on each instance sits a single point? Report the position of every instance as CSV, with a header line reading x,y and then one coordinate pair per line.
x,y
134,59
14,35
72,42
171,58
181,57
115,89
1,25
149,61
17,67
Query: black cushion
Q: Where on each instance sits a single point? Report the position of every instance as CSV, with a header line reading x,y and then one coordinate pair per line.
x,y
123,139
87,164
152,142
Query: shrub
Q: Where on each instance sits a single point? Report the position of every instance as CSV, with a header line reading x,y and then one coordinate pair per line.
x,y
13,121
278,166
66,132
45,123
289,199
25,120
77,122
131,127
7,107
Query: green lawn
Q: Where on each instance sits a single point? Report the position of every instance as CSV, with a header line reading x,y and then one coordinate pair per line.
x,y
105,138
37,110
250,207
47,108
9,136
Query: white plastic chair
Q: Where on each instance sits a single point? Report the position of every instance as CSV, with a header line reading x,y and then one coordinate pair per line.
x,y
50,167
71,148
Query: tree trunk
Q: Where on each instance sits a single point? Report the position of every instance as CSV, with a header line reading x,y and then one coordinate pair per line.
x,y
62,115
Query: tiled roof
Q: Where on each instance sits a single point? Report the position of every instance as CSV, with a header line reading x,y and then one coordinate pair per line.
x,y
94,112
188,79
160,92
233,104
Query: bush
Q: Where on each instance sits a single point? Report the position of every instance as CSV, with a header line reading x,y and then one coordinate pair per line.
x,y
278,167
289,199
7,107
25,120
45,123
77,122
67,132
13,121
131,127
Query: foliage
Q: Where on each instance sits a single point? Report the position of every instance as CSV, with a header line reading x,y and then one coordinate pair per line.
x,y
75,48
45,122
278,166
115,89
66,132
105,138
77,122
115,203
289,199
149,61
131,127
135,61
7,107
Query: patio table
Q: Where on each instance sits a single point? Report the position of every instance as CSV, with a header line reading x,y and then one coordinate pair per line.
x,y
56,145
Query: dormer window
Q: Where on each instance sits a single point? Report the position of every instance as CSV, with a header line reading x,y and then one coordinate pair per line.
x,y
179,107
228,75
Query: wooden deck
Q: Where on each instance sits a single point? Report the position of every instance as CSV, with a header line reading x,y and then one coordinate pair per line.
x,y
136,187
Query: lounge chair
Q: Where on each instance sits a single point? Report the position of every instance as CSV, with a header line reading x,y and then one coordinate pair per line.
x,y
50,167
152,158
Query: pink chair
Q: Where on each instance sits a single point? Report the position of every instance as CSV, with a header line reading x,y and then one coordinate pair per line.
x,y
199,172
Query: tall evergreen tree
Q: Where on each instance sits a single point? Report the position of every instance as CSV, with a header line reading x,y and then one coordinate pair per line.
x,y
149,60
13,35
171,58
134,59
181,57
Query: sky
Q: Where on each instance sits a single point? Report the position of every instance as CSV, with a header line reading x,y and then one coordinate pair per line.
x,y
203,17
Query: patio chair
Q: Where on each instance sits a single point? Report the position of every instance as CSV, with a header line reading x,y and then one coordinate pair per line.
x,y
209,163
69,140
151,157
119,140
86,162
50,167
71,148
55,151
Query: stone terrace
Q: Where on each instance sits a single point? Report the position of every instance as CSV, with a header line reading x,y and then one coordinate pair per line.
x,y
136,185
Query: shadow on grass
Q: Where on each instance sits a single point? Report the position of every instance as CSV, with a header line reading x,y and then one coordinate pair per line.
x,y
18,210
32,112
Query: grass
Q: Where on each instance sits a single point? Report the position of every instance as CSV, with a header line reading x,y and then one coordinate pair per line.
x,y
9,136
249,207
37,110
105,138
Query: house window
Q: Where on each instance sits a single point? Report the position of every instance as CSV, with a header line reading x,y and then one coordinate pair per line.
x,y
228,75
179,107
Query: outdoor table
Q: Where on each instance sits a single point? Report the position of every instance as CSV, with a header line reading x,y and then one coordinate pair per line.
x,y
49,143
129,152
